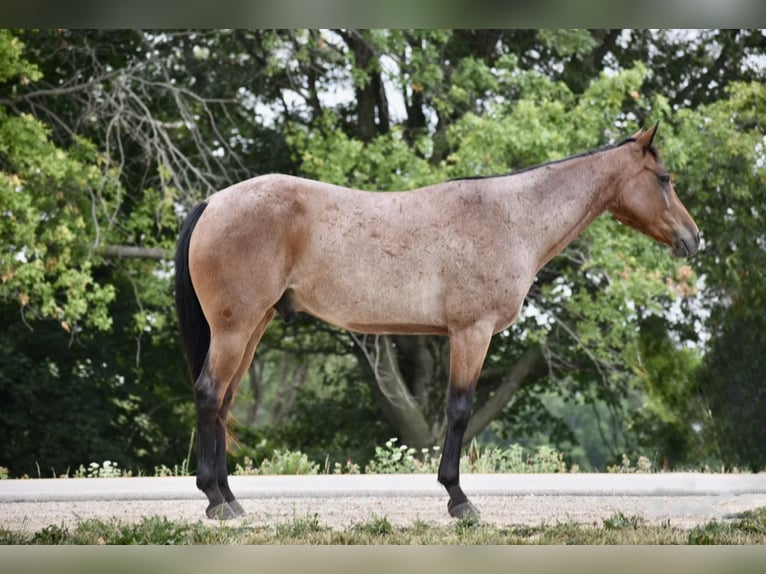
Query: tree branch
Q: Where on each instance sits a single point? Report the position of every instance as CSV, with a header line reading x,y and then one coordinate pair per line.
x,y
133,252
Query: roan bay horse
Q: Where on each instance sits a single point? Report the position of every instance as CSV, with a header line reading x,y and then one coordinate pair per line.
x,y
455,259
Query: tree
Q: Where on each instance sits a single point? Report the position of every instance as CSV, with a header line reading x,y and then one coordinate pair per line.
x,y
78,386
722,159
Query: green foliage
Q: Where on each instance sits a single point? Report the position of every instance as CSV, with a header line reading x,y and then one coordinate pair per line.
x,y
377,527
400,459
720,159
387,163
65,404
336,395
72,395
299,528
643,465
732,383
107,469
621,521
49,230
568,42
281,462
13,65
751,525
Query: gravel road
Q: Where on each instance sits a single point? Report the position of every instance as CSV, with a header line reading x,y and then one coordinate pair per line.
x,y
682,499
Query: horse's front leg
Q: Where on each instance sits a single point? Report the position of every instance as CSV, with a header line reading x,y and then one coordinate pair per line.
x,y
468,347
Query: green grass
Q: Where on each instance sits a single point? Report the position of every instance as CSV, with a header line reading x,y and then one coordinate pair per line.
x,y
619,529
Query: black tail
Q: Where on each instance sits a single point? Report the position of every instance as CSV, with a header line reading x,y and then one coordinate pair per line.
x,y
195,331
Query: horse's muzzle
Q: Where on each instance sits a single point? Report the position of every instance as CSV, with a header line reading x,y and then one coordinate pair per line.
x,y
687,244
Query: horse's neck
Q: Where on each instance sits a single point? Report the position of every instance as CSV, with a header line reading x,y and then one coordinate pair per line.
x,y
564,199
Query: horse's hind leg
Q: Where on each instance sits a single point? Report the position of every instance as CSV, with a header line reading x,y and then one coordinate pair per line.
x,y
223,359
221,434
468,347
230,353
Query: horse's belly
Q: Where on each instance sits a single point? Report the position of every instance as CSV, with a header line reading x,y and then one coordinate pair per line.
x,y
375,306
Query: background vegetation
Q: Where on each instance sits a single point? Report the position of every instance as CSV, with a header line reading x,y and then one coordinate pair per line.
x,y
107,138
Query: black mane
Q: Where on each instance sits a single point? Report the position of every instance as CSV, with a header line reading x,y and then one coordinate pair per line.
x,y
652,150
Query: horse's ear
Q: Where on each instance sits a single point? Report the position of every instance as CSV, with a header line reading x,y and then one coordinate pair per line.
x,y
645,138
637,135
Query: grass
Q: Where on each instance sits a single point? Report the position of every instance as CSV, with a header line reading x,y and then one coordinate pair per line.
x,y
619,529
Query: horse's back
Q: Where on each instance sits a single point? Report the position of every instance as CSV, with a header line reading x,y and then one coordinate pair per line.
x,y
368,261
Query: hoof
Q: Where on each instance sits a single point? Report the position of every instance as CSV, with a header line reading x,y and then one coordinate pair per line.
x,y
236,507
221,512
463,510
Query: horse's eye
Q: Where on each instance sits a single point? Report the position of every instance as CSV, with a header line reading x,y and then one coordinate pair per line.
x,y
664,178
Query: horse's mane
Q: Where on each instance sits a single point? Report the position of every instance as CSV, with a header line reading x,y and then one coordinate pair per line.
x,y
586,153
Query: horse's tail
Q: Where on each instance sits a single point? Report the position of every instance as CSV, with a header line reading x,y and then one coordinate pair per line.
x,y
195,330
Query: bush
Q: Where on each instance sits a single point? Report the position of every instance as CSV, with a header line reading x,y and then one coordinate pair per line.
x,y
393,459
281,462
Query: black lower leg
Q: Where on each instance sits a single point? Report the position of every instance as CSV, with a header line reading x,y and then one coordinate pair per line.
x,y
222,474
209,447
458,414
207,479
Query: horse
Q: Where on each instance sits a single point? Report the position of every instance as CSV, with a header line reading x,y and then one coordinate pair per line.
x,y
456,259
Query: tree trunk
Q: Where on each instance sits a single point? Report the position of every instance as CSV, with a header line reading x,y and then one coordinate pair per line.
x,y
390,390
292,375
409,381
255,380
371,95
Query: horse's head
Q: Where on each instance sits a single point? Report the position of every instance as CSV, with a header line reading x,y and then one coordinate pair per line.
x,y
647,201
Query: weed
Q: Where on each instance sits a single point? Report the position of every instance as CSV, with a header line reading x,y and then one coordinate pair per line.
x,y
15,537
377,526
749,528
643,465
153,530
281,462
393,458
752,521
177,470
299,528
514,459
52,534
349,467
710,533
419,527
620,521
467,524
107,469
